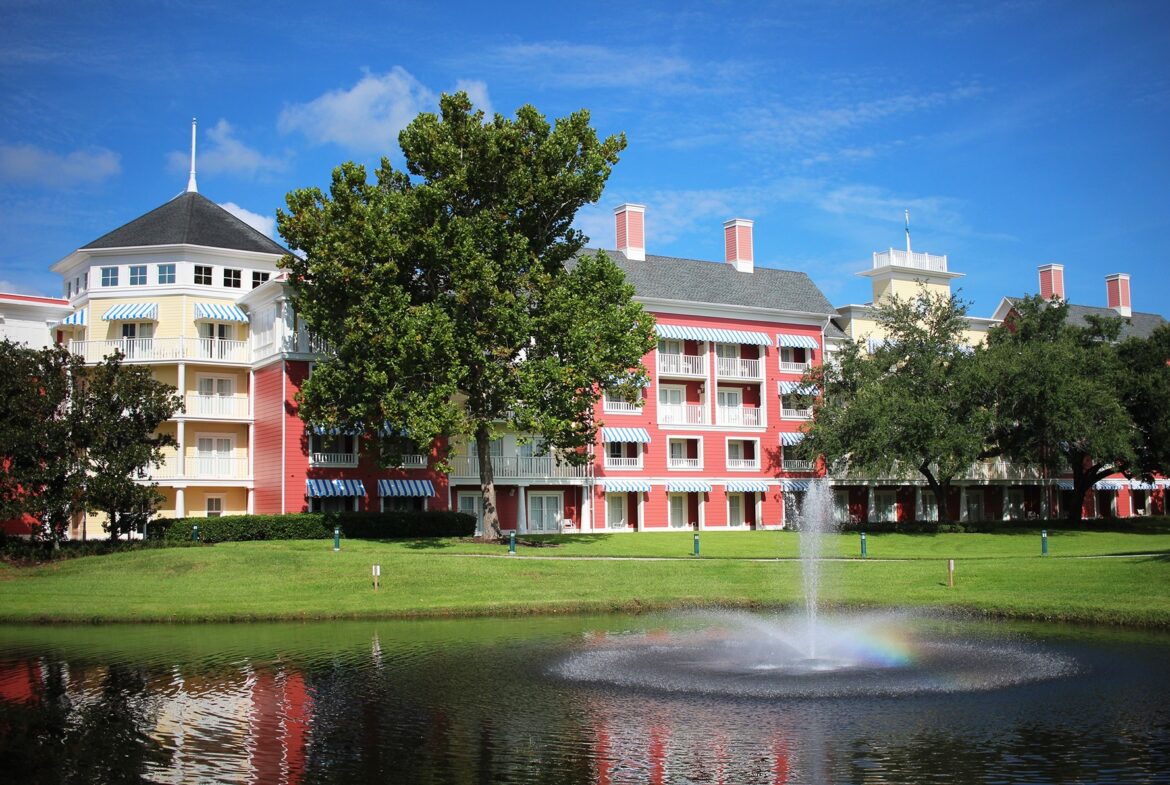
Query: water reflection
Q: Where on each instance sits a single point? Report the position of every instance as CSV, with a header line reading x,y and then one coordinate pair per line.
x,y
478,702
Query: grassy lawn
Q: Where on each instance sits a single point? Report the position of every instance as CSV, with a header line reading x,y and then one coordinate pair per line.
x,y
996,573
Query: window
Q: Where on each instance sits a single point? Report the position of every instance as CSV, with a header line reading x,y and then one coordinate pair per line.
x,y
974,508
1015,504
138,275
202,275
735,509
885,506
792,356
727,351
670,347
533,448
495,448
793,506
166,273
231,278
615,450
109,276
214,506
136,339
332,449
259,278
404,503
213,338
615,405
841,507
213,456
79,283
68,289
471,503
544,512
615,511
684,453
929,507
334,504
678,510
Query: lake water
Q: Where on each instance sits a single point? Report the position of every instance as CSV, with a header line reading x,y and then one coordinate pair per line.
x,y
505,701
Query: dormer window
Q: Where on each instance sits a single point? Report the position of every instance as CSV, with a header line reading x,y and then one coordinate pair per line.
x,y
202,275
109,276
231,278
259,278
138,275
166,273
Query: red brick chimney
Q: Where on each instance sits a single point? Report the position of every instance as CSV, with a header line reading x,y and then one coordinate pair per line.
x,y
737,244
1117,293
1052,281
630,220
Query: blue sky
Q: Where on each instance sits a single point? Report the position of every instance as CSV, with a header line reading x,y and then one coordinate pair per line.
x,y
1016,133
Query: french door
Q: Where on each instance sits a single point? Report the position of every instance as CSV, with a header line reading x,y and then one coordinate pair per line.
x,y
544,512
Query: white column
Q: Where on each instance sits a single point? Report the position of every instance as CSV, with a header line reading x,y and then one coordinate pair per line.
x,y
962,502
250,495
586,508
638,524
521,511
183,381
919,507
180,502
703,510
759,510
181,448
870,507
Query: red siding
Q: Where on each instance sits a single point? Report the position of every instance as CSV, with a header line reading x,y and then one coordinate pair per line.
x,y
267,401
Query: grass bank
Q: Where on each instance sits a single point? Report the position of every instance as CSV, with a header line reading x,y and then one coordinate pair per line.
x,y
1000,574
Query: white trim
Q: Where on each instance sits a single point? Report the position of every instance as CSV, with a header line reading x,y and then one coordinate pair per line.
x,y
728,311
727,440
699,451
560,521
220,497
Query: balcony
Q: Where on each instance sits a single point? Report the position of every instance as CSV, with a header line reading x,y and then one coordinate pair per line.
x,y
623,463
414,461
787,367
911,259
796,466
200,466
682,414
735,368
506,467
743,464
333,459
164,349
684,463
682,365
742,416
620,407
217,406
796,414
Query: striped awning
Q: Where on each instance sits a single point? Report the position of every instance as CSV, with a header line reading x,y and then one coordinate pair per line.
x,y
219,312
1142,485
1110,485
795,486
1064,485
791,439
687,333
405,488
317,488
634,435
747,486
130,311
321,430
75,319
688,486
790,388
796,341
624,486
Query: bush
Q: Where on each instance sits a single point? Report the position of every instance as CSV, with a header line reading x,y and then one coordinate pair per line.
x,y
20,550
315,526
1148,524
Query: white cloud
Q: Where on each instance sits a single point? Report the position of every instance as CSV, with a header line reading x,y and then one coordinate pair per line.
x,y
592,66
478,93
31,165
266,224
367,117
223,153
13,287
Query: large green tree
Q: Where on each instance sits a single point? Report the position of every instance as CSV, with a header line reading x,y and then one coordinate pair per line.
x,y
913,406
1067,397
75,438
453,294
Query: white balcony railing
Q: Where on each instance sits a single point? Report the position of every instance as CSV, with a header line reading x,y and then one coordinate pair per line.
x,y
623,463
621,407
517,466
739,415
682,414
682,364
742,464
168,469
787,367
414,461
213,406
793,465
796,414
333,459
684,463
154,349
202,466
912,259
735,368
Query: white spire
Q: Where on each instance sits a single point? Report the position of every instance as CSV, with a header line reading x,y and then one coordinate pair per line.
x,y
907,212
191,186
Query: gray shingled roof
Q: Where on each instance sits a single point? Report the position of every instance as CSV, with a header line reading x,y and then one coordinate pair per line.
x,y
189,219
1138,325
692,280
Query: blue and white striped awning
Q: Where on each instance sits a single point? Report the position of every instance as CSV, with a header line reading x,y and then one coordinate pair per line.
x,y
791,439
1110,485
634,435
1064,485
1142,485
790,388
321,430
796,341
75,319
219,312
130,311
317,488
688,486
795,486
687,333
624,486
405,488
747,486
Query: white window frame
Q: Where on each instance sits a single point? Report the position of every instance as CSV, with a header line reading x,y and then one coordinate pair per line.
x,y
618,406
233,278
210,274
727,453
742,499
170,268
260,277
215,437
970,494
142,268
879,506
478,495
110,276
670,500
623,522
219,499
560,521
1011,510
353,456
684,438
841,505
927,505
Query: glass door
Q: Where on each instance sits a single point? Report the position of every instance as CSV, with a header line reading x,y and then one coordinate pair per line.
x,y
615,511
472,504
544,512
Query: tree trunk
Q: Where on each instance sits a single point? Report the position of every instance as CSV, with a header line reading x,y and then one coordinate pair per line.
x,y
939,489
487,484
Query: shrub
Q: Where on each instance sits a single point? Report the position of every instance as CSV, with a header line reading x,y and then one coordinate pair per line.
x,y
316,525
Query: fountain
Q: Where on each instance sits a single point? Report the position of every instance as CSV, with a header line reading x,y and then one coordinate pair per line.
x,y
807,654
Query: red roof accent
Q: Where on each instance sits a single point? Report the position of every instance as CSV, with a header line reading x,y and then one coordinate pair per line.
x,y
33,298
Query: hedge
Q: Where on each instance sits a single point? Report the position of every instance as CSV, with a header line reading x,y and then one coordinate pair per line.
x,y
1155,523
316,525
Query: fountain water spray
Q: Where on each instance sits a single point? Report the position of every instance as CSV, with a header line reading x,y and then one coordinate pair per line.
x,y
814,519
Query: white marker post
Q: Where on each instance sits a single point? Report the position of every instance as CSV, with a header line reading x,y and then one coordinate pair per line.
x,y
377,575
951,573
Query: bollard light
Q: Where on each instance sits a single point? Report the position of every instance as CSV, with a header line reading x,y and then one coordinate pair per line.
x,y
1043,542
336,538
863,550
696,543
512,543
195,533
